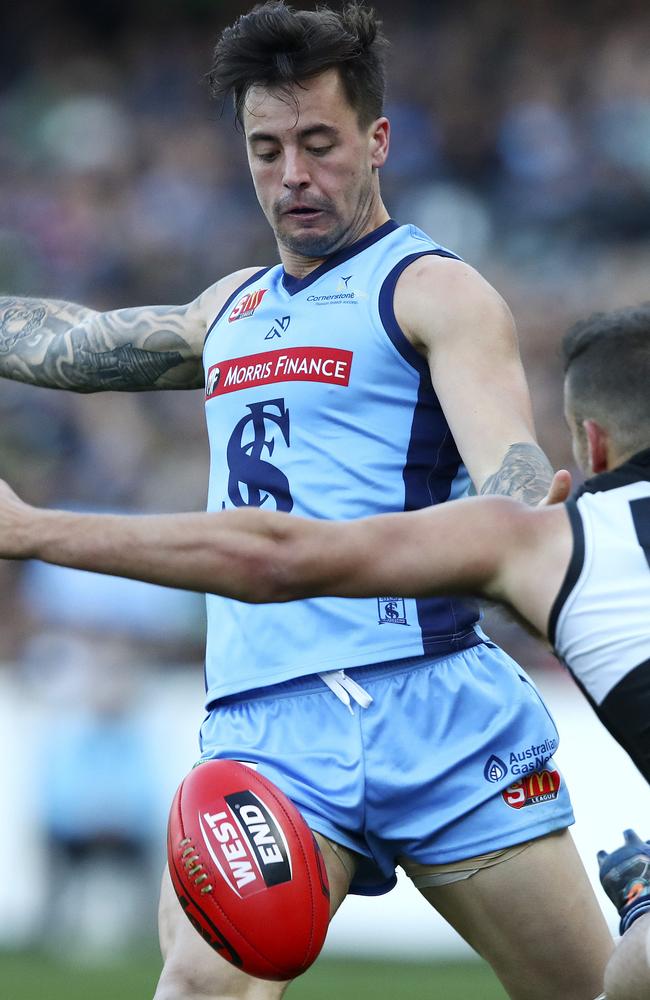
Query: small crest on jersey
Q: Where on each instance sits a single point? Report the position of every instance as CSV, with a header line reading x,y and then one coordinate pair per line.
x,y
391,611
540,786
495,770
247,304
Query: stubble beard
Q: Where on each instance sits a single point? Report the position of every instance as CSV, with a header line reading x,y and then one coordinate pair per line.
x,y
312,244
321,245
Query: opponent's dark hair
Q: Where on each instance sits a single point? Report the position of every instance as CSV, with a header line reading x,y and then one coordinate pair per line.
x,y
607,363
276,46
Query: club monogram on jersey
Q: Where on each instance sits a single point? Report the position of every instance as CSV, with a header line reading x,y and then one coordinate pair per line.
x,y
391,610
252,480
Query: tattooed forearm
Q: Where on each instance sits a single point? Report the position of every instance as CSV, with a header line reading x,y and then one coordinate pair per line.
x,y
525,474
66,346
127,363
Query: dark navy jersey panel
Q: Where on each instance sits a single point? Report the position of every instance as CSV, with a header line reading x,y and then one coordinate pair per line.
x,y
429,477
387,312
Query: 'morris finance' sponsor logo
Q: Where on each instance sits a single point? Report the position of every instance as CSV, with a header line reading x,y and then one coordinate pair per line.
x,y
294,364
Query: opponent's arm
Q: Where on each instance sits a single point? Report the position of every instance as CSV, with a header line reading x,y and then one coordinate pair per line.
x,y
259,556
466,331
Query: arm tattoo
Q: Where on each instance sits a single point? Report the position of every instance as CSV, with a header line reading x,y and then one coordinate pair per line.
x,y
525,474
114,369
66,346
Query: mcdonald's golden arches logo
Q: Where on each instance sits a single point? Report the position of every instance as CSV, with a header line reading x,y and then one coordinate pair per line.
x,y
540,786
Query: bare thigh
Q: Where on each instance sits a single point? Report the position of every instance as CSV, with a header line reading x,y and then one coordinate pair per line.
x,y
193,971
535,919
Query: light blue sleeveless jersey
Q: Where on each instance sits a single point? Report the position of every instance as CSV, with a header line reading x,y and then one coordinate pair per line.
x,y
317,404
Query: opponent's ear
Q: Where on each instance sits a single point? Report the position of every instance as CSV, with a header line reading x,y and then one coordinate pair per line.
x,y
379,142
597,446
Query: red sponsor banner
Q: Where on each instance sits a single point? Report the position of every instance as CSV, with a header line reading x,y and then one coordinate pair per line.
x,y
295,364
540,786
247,304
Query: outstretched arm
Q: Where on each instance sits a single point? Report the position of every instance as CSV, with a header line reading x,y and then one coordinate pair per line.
x,y
518,555
62,345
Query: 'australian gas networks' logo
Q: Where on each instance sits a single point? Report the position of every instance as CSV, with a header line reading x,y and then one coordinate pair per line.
x,y
525,761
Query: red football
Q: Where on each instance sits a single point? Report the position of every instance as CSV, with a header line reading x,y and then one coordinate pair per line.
x,y
247,870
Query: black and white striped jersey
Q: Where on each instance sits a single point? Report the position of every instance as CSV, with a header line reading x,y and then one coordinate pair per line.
x,y
600,621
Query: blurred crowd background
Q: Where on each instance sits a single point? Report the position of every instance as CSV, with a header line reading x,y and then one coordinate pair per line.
x,y
521,139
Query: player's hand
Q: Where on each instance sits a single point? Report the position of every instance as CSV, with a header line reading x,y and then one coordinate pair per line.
x,y
559,490
625,877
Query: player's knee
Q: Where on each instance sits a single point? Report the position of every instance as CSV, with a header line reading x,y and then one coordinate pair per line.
x,y
184,981
627,976
179,982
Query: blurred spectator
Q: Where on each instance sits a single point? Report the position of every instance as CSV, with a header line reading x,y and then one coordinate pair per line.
x,y
97,795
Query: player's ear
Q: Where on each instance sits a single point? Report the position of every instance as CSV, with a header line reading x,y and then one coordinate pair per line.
x,y
379,142
597,446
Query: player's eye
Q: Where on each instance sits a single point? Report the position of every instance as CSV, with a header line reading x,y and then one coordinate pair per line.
x,y
266,157
319,150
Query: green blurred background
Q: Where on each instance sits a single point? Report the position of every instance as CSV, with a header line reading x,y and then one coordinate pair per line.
x,y
29,975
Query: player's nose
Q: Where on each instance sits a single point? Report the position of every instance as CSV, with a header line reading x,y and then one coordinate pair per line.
x,y
295,174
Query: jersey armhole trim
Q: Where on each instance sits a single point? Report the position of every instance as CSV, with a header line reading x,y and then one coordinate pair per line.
x,y
229,300
387,311
573,569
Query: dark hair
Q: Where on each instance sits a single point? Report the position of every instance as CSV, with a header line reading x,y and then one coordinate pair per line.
x,y
607,364
276,46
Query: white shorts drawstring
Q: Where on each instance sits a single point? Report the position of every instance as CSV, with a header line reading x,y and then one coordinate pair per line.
x,y
343,687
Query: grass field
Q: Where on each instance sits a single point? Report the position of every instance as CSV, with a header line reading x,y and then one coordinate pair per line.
x,y
32,976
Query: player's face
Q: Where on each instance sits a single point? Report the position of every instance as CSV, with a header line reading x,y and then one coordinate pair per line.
x,y
313,165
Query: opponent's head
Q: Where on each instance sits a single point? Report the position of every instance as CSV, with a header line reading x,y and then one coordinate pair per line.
x,y
607,386
308,88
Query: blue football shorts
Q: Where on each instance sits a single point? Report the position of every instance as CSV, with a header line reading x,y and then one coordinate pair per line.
x,y
452,758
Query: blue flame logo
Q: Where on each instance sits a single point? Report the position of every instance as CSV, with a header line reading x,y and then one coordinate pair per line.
x,y
495,770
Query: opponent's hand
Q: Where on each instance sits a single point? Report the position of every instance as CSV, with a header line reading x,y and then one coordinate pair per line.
x,y
559,490
13,522
625,877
